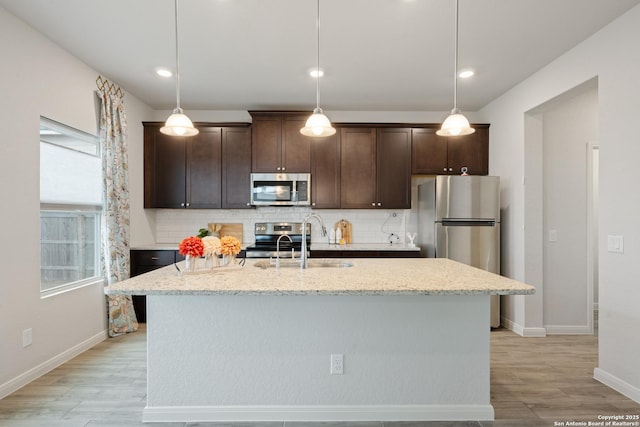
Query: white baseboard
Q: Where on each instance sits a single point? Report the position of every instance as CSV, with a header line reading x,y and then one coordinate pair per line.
x,y
318,413
568,330
522,331
617,384
47,366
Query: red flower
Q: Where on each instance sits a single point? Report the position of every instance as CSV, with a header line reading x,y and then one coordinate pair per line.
x,y
191,246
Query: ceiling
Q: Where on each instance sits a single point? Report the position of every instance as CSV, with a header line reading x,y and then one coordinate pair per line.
x,y
385,55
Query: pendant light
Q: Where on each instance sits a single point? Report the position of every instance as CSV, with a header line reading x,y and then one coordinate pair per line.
x,y
178,124
318,124
456,124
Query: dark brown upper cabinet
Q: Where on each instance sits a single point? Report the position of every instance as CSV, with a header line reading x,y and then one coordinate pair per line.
x,y
439,155
375,168
236,167
277,144
325,172
206,171
393,187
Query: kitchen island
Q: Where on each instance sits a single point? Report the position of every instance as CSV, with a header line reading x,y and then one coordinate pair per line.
x,y
252,344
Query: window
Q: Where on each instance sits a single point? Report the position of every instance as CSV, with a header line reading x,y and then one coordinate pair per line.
x,y
70,207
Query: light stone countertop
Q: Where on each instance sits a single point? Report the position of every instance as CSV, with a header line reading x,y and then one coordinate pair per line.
x,y
363,247
373,276
313,247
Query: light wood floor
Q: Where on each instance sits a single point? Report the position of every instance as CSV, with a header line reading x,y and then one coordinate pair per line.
x,y
534,382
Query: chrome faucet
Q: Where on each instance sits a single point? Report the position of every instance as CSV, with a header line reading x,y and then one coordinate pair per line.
x,y
278,248
303,255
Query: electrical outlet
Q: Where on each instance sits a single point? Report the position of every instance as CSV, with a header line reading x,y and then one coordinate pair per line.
x,y
337,364
27,337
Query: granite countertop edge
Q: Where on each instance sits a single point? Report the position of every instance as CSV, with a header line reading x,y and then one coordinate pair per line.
x,y
367,276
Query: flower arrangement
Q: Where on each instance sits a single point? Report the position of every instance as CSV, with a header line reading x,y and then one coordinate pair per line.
x,y
229,245
191,246
212,246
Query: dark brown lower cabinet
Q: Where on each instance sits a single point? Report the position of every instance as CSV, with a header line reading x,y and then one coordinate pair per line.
x,y
143,261
328,253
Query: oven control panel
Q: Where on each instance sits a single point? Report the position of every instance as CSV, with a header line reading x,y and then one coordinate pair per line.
x,y
278,228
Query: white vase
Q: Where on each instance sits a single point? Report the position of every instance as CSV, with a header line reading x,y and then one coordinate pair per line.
x,y
190,263
228,260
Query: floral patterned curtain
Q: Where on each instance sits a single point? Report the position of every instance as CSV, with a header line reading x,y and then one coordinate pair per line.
x,y
115,223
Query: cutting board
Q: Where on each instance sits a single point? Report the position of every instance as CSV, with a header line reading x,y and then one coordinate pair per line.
x,y
223,229
345,229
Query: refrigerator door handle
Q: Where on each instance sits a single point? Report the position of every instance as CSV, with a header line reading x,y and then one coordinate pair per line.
x,y
468,223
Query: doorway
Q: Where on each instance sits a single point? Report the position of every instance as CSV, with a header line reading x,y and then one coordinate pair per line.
x,y
561,201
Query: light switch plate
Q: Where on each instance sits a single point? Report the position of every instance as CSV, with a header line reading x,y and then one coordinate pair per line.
x,y
553,235
615,244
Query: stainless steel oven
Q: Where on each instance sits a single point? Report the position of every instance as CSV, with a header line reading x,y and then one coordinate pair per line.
x,y
280,189
289,235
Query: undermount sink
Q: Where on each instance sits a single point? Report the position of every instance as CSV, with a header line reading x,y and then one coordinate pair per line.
x,y
311,263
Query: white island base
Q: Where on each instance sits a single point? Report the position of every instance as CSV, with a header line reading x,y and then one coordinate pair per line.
x,y
267,357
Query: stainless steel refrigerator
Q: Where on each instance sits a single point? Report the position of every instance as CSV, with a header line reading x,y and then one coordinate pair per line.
x,y
463,213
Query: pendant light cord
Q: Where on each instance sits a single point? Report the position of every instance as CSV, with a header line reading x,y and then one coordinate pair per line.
x,y
455,61
177,58
318,54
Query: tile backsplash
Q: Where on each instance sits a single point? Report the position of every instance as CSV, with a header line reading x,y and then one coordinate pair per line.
x,y
368,225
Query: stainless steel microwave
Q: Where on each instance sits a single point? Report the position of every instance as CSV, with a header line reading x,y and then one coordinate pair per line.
x,y
281,189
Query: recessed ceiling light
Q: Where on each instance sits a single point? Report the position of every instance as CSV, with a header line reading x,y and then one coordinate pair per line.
x,y
316,73
465,74
164,72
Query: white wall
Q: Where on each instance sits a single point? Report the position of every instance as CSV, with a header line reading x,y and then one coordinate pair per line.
x,y
612,57
38,78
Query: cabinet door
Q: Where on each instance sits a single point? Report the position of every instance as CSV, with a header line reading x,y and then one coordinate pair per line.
x,y
428,152
266,135
236,168
393,152
164,169
357,168
296,148
470,151
325,172
204,176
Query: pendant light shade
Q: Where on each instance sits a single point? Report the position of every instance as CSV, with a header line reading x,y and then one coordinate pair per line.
x,y
456,124
178,124
318,125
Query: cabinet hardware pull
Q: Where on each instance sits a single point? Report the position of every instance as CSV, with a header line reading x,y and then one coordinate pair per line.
x,y
444,169
155,258
373,204
379,204
182,204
